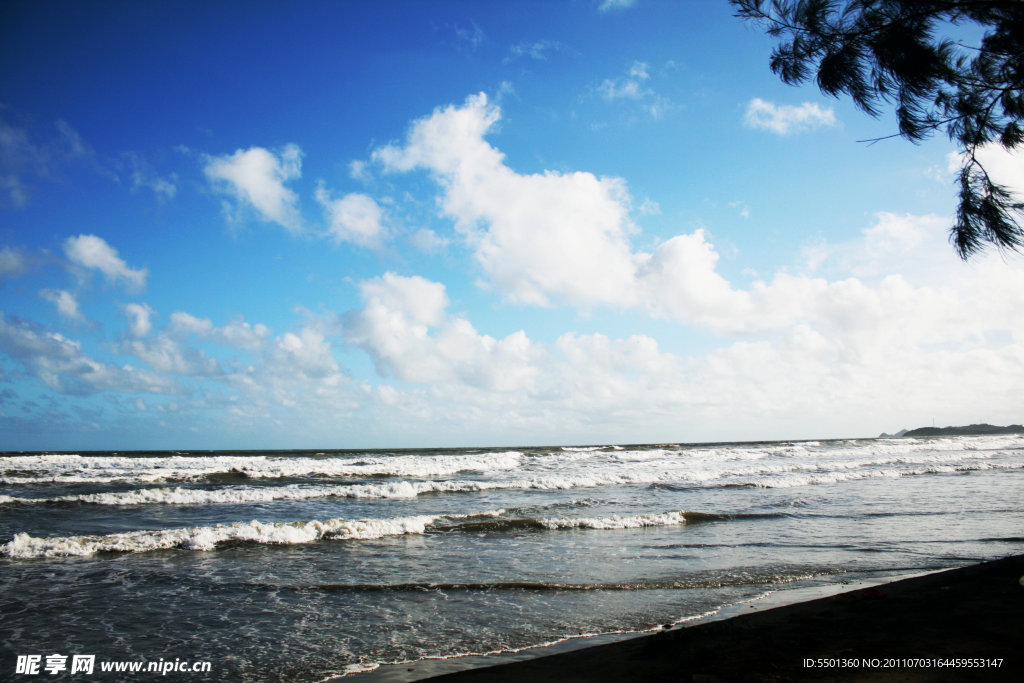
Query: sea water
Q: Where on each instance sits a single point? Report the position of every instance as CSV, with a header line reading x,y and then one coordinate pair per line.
x,y
300,565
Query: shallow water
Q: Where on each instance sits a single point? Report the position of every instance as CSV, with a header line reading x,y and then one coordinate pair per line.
x,y
304,565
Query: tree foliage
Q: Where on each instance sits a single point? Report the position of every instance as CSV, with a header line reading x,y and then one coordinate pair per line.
x,y
886,52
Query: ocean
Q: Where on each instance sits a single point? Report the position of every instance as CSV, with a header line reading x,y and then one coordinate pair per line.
x,y
304,566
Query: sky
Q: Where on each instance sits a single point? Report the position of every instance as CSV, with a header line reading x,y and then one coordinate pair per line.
x,y
243,225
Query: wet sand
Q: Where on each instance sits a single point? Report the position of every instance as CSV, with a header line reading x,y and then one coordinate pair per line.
x,y
963,624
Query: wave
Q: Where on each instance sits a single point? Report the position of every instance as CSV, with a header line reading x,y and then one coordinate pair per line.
x,y
795,481
36,469
265,494
24,546
774,476
41,468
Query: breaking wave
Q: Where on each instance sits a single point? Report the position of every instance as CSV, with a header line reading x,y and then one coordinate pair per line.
x,y
779,476
36,469
24,546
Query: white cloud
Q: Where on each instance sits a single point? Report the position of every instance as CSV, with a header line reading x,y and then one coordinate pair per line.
x,y
241,335
60,363
295,372
428,241
650,207
629,86
538,237
185,322
12,262
846,355
404,327
90,251
783,119
143,176
306,352
256,178
139,319
536,50
354,218
914,246
614,5
65,302
166,355
895,234
1005,167
562,238
680,281
744,209
357,170
633,86
236,333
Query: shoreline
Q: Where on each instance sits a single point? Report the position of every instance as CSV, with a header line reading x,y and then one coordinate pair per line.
x,y
933,619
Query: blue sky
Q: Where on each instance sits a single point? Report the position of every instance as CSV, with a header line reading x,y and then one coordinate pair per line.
x,y
348,224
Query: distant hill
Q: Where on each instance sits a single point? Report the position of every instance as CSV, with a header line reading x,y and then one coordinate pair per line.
x,y
969,430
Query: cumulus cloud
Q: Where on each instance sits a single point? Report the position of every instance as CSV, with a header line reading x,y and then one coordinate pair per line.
x,y
138,316
236,333
165,355
306,352
563,238
355,218
90,251
66,303
256,178
405,328
293,368
783,119
60,363
295,371
541,237
850,353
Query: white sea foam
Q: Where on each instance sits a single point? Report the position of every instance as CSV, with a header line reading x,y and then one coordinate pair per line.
x,y
687,464
264,494
34,469
615,522
797,480
664,468
207,538
25,546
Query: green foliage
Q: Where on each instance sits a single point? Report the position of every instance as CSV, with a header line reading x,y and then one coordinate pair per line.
x,y
885,52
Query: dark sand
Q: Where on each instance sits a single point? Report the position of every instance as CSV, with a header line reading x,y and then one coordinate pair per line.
x,y
971,615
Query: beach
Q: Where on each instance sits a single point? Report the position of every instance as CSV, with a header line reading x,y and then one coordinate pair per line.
x,y
955,625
